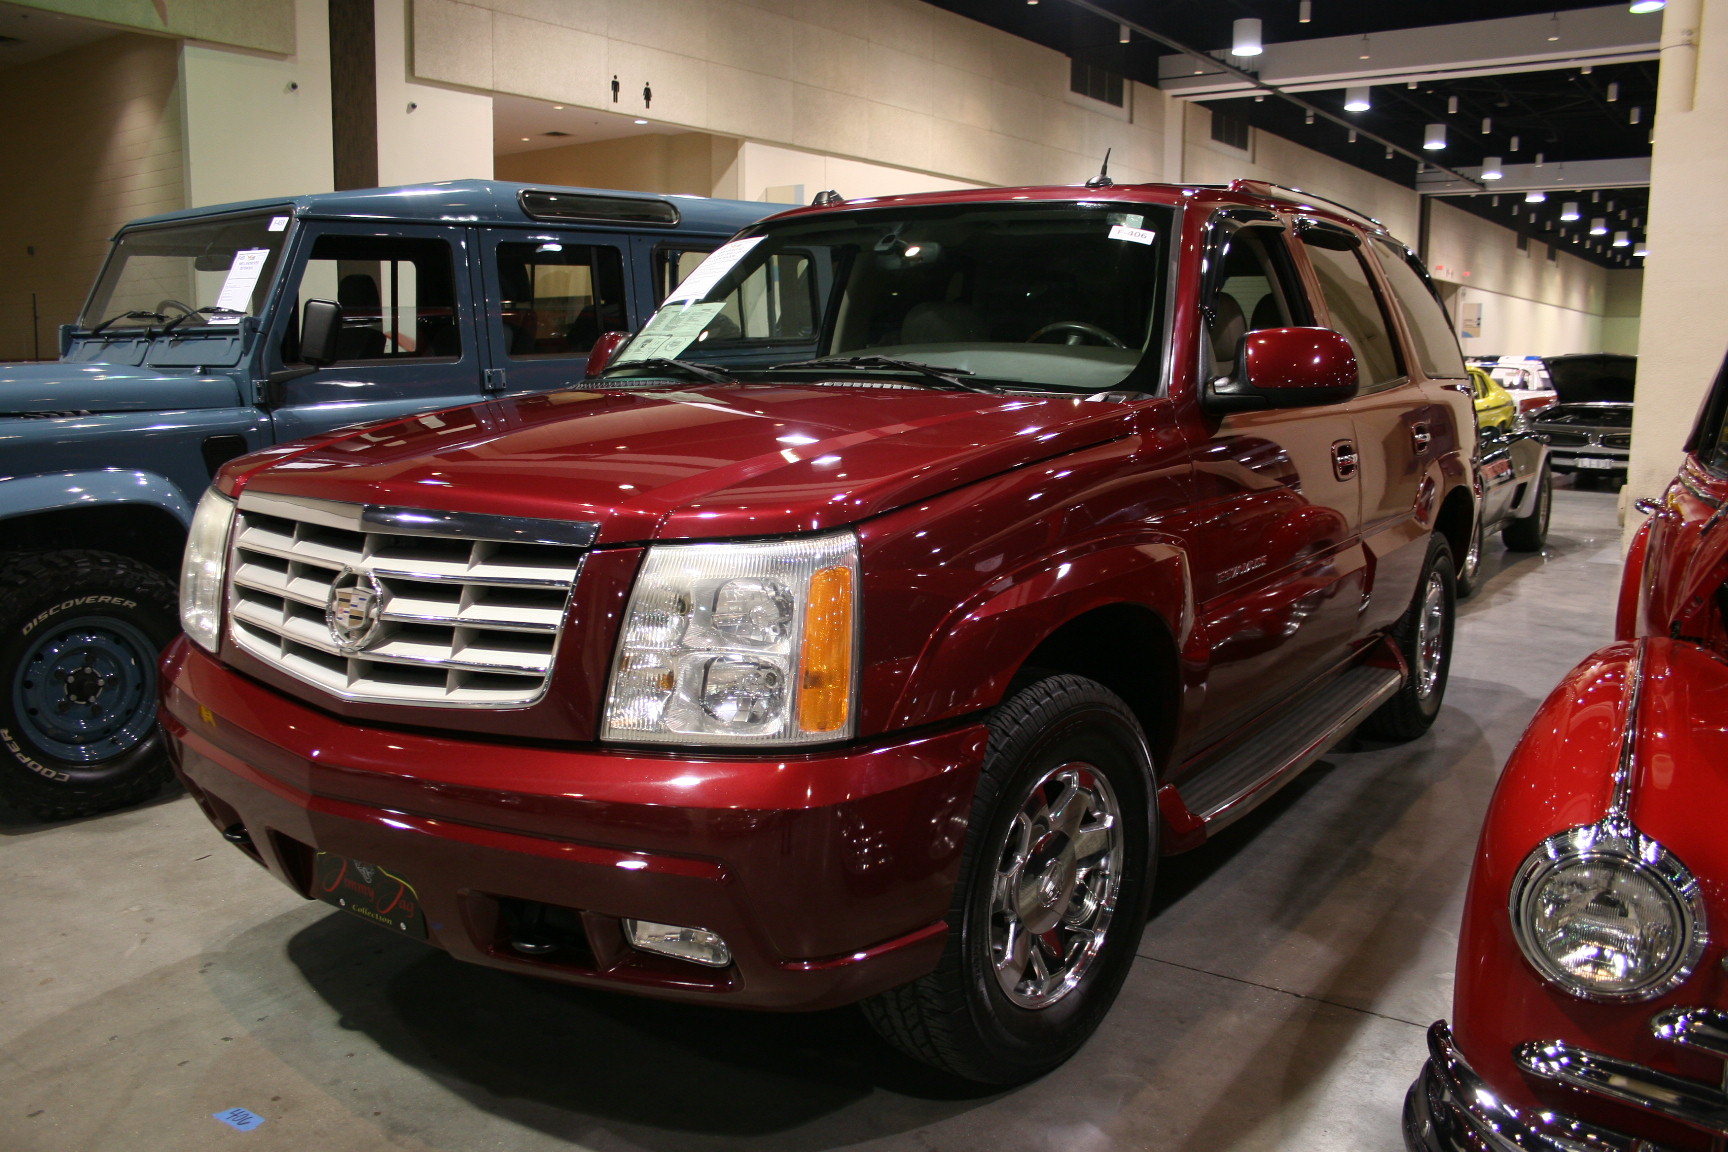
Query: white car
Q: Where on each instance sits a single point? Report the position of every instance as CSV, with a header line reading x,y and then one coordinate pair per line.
x,y
1527,380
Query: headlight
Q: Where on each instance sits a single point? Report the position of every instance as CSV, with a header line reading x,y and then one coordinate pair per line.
x,y
739,644
1608,914
202,569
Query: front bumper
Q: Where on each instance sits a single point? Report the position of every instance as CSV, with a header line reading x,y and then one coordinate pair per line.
x,y
1589,458
1451,1109
828,874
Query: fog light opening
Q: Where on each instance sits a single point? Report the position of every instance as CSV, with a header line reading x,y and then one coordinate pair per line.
x,y
697,945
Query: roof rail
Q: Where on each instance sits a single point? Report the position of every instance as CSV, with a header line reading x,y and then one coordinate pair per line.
x,y
1267,188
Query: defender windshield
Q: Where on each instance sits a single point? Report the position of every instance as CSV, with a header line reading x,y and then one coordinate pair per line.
x,y
1069,295
219,269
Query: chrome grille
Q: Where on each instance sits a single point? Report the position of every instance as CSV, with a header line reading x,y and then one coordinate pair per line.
x,y
471,606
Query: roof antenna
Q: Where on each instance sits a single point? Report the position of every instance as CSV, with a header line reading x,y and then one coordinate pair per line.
x,y
1102,180
827,198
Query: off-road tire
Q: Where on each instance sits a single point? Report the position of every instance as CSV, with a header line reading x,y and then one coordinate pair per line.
x,y
1529,533
1411,711
959,1018
114,615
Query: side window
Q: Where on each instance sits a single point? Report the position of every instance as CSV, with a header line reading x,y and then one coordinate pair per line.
x,y
672,265
559,297
1430,328
1253,291
1356,313
398,297
776,302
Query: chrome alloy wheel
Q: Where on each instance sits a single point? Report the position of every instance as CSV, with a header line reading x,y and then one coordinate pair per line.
x,y
1431,635
1058,872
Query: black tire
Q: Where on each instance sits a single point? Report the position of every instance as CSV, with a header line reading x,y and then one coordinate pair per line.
x,y
1529,533
1063,736
80,635
1470,568
1424,636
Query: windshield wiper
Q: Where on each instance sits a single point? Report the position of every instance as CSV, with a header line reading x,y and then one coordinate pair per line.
x,y
102,327
689,367
948,376
212,310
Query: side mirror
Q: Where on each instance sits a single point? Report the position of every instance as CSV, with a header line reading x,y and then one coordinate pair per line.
x,y
320,325
603,351
1286,368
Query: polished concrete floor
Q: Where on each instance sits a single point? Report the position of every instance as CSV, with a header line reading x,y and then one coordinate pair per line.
x,y
150,976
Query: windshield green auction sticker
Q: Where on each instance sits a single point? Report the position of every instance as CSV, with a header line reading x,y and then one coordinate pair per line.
x,y
672,330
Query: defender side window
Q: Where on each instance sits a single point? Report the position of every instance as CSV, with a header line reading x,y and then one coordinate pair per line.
x,y
672,265
398,298
559,298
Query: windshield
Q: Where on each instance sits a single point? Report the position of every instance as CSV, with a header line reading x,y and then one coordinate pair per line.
x,y
1068,295
220,268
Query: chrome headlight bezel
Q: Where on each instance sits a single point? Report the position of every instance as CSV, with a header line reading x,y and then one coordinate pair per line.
x,y
1619,846
204,570
702,615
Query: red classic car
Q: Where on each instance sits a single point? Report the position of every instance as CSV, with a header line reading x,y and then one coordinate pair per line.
x,y
1591,1008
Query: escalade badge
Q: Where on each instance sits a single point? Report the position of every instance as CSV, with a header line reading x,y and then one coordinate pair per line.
x,y
352,611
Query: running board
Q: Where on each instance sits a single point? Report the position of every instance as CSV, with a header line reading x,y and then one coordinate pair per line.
x,y
1246,775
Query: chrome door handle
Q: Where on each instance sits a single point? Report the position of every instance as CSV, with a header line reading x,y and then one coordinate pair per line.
x,y
1344,459
1421,437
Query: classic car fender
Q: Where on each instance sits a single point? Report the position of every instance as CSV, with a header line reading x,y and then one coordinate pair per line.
x,y
1623,732
1631,598
62,491
973,656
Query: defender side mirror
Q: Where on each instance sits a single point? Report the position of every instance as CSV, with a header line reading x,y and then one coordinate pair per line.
x,y
1286,368
603,351
320,326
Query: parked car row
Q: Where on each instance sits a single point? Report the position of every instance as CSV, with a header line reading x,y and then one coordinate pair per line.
x,y
1581,405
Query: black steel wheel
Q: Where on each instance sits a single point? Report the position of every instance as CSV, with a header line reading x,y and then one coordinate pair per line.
x,y
1424,635
1052,892
80,635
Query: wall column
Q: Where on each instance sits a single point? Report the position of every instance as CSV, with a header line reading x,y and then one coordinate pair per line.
x,y
1681,338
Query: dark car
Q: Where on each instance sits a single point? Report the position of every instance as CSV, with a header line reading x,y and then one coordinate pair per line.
x,y
987,546
1589,429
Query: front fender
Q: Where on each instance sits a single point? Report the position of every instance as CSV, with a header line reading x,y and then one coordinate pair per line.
x,y
974,654
66,491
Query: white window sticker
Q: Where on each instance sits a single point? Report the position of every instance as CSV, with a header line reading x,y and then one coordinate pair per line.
x,y
278,223
236,294
709,273
1132,235
673,329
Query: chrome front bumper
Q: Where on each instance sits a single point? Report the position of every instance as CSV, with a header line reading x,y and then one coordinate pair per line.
x,y
1451,1109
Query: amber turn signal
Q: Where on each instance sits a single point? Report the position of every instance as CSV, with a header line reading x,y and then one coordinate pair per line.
x,y
825,660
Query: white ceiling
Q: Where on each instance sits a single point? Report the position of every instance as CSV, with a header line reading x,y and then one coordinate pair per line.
x,y
515,117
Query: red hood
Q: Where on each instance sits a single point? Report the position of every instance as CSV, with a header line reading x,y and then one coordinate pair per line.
x,y
701,461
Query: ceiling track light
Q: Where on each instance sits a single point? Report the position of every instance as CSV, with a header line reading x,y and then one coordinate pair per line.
x,y
1352,135
1245,37
1487,125
1569,210
1599,226
1553,27
1621,240
1356,99
1388,151
1305,11
1513,147
1124,34
1613,91
1367,49
1636,116
1451,105
1539,159
1643,6
1308,116
1537,197
1434,137
1491,171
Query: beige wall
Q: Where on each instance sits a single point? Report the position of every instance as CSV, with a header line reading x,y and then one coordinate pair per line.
x,y
262,25
898,83
1623,311
690,163
426,131
1681,340
258,125
111,151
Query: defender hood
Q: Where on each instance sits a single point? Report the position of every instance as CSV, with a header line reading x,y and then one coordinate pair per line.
x,y
706,461
61,388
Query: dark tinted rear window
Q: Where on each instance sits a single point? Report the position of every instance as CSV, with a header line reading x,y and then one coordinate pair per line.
x,y
1430,328
598,209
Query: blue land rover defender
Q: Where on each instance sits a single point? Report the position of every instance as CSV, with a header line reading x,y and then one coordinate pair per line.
x,y
217,331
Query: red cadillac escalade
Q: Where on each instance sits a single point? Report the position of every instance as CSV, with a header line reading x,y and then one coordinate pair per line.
x,y
868,627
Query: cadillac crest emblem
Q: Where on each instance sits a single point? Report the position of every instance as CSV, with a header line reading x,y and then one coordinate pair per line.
x,y
353,609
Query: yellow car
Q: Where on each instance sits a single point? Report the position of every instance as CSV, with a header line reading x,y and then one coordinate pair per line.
x,y
1496,411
